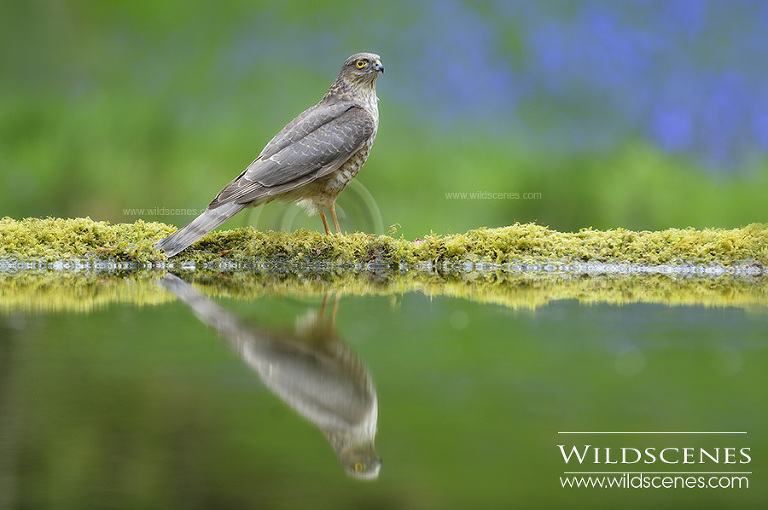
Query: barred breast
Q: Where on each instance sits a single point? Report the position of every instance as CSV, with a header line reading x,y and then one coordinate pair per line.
x,y
320,194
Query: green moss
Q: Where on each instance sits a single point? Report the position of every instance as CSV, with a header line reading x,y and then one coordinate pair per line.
x,y
47,240
310,263
52,239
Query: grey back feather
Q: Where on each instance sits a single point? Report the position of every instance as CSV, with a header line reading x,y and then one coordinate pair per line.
x,y
311,146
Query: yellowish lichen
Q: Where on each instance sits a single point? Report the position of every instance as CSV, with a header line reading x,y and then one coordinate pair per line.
x,y
308,263
51,239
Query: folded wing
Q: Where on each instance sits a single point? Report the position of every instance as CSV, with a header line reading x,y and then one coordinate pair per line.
x,y
314,144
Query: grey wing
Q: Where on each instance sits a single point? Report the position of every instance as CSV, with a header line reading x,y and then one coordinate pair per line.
x,y
314,144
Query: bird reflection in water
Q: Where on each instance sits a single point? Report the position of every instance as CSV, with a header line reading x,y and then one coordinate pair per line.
x,y
311,369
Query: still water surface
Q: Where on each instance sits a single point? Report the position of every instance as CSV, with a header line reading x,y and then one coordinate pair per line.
x,y
212,396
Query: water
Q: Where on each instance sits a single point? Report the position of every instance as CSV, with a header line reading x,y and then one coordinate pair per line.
x,y
378,390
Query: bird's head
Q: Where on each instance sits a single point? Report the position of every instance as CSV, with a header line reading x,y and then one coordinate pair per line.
x,y
357,79
362,68
360,461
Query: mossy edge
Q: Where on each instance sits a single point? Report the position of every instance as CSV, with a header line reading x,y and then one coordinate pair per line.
x,y
83,239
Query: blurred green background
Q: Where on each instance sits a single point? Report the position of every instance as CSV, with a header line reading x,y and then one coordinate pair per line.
x,y
643,115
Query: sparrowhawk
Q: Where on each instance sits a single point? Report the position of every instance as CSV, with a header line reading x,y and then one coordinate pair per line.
x,y
309,161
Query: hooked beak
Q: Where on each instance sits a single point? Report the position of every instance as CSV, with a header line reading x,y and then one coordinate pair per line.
x,y
378,66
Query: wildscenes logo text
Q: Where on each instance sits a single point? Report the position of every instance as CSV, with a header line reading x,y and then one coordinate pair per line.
x,y
670,455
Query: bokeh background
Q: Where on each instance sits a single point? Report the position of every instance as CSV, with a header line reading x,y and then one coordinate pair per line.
x,y
638,114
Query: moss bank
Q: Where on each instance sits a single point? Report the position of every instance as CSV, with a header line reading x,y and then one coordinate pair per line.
x,y
82,239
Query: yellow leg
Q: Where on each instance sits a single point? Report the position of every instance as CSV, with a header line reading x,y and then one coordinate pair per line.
x,y
325,224
335,220
334,310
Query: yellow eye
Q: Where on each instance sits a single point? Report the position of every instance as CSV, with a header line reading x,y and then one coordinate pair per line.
x,y
360,64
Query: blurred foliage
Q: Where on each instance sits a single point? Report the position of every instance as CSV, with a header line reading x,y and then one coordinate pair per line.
x,y
107,109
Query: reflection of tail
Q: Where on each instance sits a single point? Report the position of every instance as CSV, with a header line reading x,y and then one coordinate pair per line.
x,y
210,219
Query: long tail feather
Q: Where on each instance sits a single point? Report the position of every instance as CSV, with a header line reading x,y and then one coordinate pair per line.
x,y
206,222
